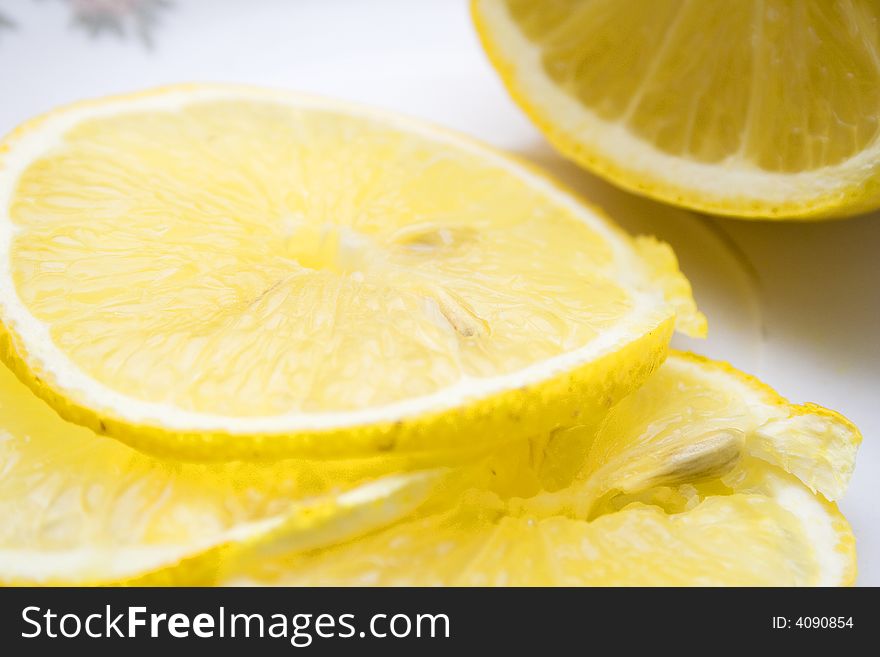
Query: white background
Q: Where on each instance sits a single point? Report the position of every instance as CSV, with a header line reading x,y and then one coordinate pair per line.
x,y
797,305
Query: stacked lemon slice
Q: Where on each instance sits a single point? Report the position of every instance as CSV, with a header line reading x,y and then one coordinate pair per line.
x,y
324,329
704,476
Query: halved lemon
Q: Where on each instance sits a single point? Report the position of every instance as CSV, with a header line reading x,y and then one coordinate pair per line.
x,y
757,108
221,272
702,477
79,508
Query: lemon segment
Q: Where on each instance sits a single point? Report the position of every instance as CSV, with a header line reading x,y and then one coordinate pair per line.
x,y
761,108
222,272
703,476
704,412
79,508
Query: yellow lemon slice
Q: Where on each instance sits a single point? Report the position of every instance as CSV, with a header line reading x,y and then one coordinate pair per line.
x,y
699,478
222,272
757,108
79,508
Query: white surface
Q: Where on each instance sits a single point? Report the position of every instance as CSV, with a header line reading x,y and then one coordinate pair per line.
x,y
798,304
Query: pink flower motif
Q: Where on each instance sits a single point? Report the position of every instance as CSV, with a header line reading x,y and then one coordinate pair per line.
x,y
118,16
6,23
121,17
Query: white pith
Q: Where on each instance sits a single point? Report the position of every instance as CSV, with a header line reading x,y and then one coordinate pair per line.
x,y
735,178
649,307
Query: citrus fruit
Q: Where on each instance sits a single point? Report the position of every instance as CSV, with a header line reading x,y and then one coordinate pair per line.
x,y
219,272
79,508
759,108
701,477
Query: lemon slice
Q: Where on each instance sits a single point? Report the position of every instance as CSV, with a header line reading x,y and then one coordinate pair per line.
x,y
686,483
759,108
83,509
218,272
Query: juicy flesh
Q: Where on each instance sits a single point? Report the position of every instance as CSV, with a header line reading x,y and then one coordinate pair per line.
x,y
248,258
782,85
